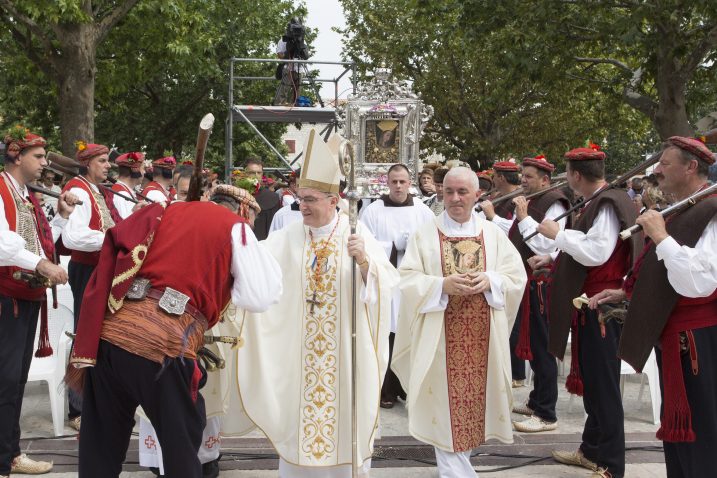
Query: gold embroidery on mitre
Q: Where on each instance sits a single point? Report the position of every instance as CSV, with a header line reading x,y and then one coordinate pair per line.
x,y
319,356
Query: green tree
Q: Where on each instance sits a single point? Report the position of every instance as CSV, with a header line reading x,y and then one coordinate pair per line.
x,y
61,39
657,56
496,89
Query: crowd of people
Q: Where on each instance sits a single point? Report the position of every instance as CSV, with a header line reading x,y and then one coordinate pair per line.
x,y
461,278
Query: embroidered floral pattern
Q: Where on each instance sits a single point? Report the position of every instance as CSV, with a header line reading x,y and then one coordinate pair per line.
x,y
319,418
467,330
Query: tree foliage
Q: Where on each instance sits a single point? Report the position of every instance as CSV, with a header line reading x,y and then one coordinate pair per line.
x,y
162,67
503,76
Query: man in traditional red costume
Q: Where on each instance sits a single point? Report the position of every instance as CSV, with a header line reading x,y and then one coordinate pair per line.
x,y
27,246
85,230
673,307
160,188
143,321
529,340
591,258
461,284
131,170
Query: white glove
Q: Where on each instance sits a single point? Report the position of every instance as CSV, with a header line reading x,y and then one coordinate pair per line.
x,y
401,241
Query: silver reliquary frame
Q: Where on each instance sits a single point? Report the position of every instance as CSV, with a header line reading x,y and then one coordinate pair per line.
x,y
383,122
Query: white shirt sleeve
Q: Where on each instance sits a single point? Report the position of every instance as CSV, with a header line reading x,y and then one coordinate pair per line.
x,y
595,247
12,247
156,196
257,275
77,234
503,223
540,244
124,207
692,271
57,224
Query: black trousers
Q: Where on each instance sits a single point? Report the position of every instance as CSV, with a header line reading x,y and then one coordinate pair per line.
x,y
114,388
78,277
544,395
517,365
604,432
696,459
391,388
17,336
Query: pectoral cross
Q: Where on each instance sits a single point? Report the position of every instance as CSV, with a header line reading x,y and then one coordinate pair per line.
x,y
313,303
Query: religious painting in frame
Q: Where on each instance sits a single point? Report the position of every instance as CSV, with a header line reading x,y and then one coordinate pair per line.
x,y
383,121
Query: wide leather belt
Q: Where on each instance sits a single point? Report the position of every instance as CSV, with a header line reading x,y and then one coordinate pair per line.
x,y
159,295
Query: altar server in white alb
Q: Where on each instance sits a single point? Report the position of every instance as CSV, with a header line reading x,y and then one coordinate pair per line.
x,y
294,370
462,281
392,219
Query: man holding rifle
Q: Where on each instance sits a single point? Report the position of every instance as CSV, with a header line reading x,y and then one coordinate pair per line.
x,y
673,291
85,230
591,259
27,246
531,342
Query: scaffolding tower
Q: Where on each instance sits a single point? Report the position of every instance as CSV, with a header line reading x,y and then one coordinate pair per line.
x,y
251,114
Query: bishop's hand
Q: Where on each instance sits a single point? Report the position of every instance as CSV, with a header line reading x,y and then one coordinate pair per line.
x,y
357,249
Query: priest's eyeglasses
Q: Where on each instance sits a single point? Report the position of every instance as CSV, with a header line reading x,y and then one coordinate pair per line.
x,y
310,200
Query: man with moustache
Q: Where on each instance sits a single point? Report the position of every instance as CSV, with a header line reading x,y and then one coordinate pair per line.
x,y
673,303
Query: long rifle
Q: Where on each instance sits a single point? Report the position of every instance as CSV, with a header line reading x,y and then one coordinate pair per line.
x,y
194,192
60,164
520,192
46,192
637,169
503,198
686,203
348,168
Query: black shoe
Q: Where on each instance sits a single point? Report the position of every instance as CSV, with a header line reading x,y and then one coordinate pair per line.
x,y
211,469
155,470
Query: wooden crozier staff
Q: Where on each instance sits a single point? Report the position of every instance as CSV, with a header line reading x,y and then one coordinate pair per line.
x,y
347,165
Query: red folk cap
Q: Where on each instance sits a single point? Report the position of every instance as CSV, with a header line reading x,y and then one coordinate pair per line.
x,y
132,160
19,139
85,151
592,152
168,162
539,162
505,166
693,146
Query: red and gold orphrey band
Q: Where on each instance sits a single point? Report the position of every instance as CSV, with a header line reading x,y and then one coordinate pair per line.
x,y
467,331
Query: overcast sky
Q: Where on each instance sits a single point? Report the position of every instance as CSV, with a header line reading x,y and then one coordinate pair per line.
x,y
323,15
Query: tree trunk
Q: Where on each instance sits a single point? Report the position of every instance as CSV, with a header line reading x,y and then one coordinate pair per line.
x,y
76,92
671,115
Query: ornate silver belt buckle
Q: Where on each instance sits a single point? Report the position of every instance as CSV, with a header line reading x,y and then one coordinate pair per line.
x,y
173,302
139,289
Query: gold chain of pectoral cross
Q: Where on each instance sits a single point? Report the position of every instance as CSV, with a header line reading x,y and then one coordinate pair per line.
x,y
321,256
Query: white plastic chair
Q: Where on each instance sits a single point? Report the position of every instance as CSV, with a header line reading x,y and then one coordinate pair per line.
x,y
52,369
652,373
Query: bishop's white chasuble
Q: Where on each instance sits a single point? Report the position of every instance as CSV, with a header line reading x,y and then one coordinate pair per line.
x,y
294,370
452,352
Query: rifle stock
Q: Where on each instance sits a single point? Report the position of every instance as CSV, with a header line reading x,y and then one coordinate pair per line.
x,y
195,184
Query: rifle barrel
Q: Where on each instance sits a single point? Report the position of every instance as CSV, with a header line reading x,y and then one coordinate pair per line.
x,y
630,173
677,207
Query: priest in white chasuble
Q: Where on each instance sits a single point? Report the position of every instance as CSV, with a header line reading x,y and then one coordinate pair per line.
x,y
462,281
294,370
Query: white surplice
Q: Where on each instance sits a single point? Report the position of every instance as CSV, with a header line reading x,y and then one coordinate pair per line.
x,y
419,357
294,370
392,226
